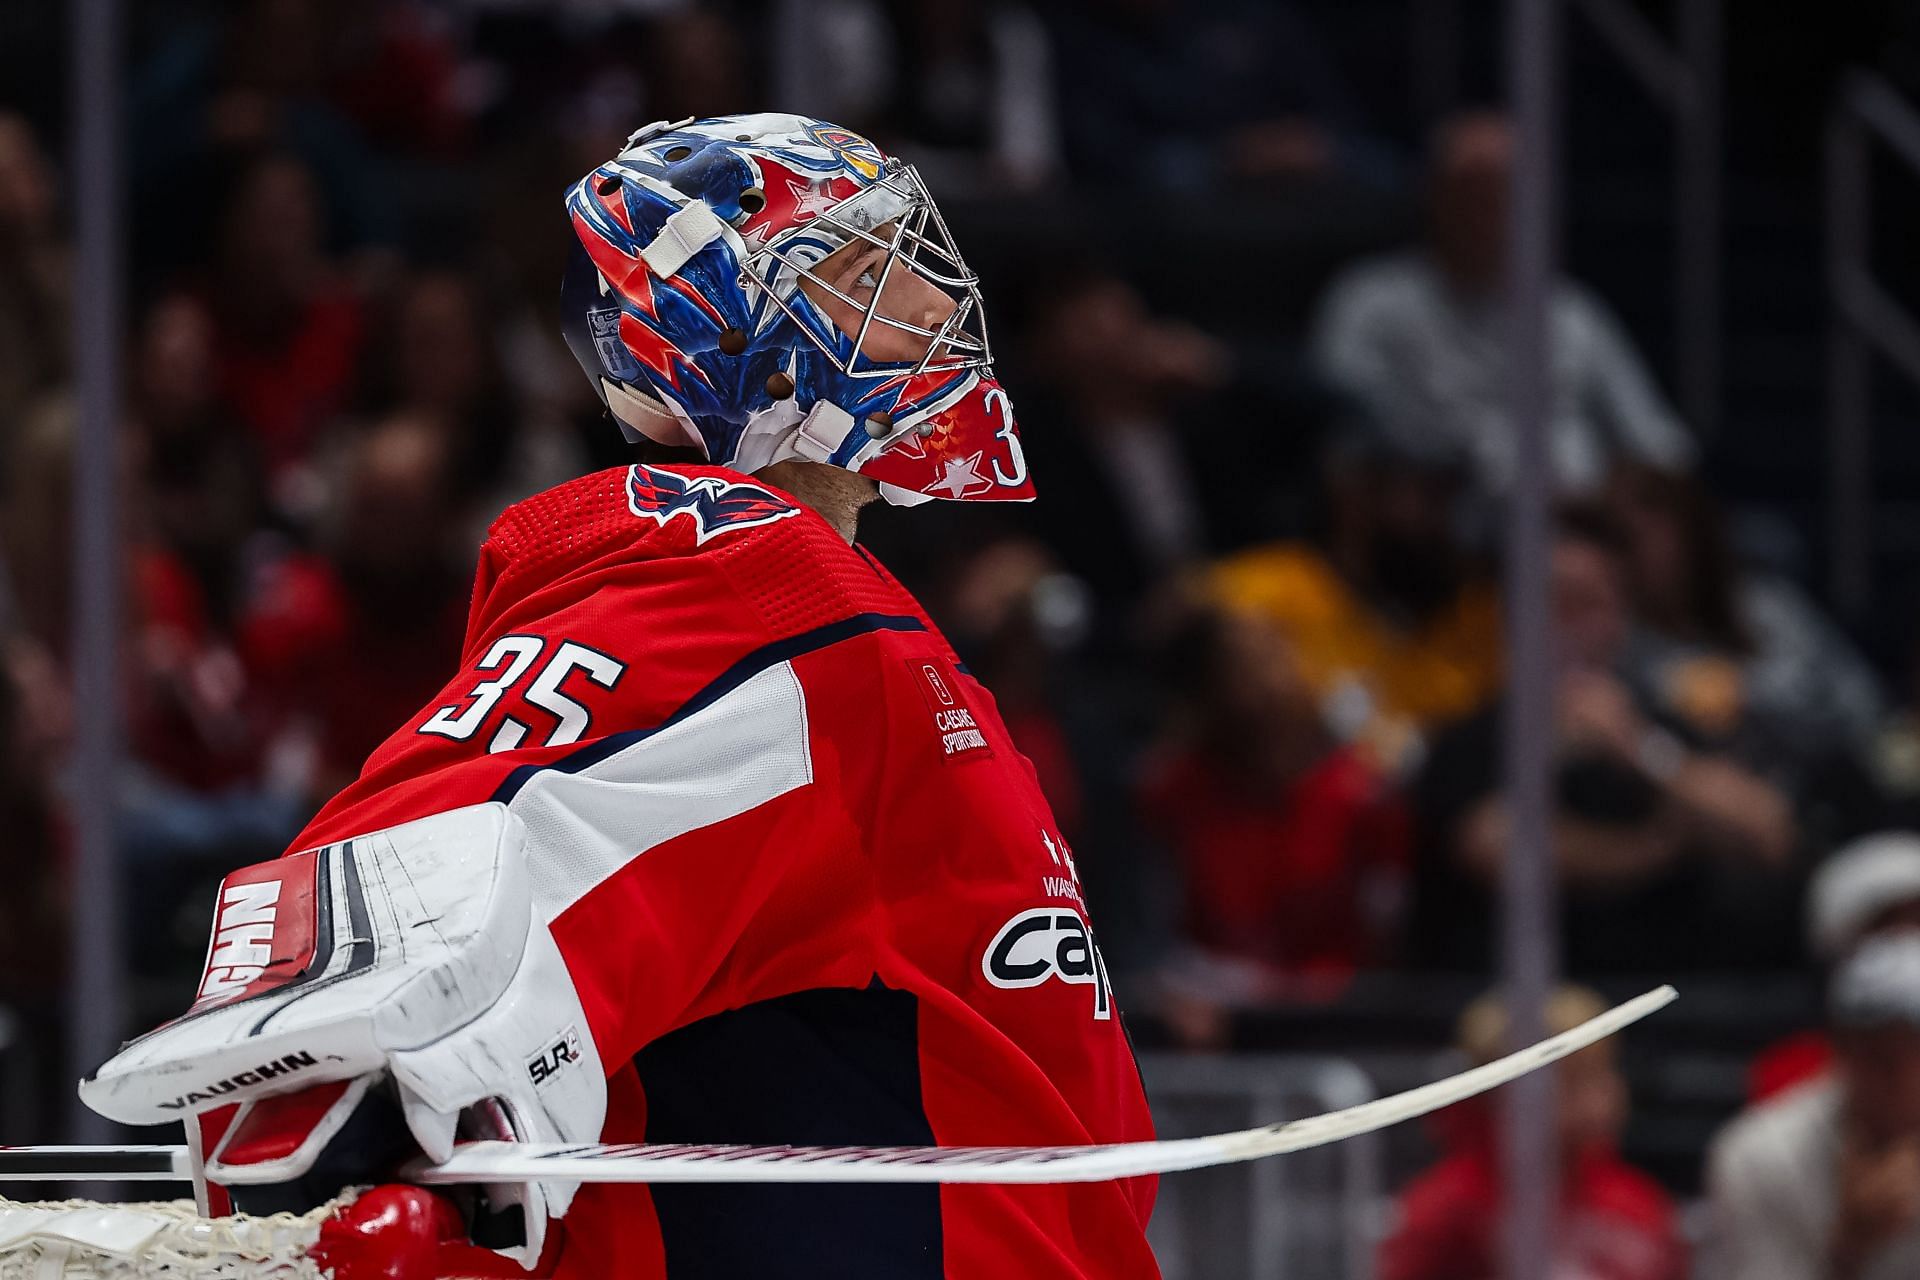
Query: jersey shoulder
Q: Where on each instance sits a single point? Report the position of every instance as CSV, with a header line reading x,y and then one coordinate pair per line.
x,y
684,528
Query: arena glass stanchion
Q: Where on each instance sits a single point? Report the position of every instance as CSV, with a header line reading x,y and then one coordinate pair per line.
x,y
96,1004
1530,944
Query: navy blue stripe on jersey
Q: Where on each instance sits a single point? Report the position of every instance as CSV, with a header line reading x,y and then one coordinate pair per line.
x,y
726,682
827,1067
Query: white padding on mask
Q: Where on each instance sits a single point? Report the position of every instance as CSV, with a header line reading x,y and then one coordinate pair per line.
x,y
822,431
871,209
768,437
898,497
684,234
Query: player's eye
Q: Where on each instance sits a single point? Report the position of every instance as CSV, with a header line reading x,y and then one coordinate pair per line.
x,y
865,268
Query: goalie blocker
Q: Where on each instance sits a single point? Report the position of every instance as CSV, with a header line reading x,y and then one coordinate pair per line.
x,y
364,1003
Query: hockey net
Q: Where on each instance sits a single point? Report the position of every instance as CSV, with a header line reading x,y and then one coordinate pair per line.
x,y
162,1240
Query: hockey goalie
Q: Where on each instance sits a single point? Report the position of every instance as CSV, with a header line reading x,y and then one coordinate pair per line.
x,y
710,838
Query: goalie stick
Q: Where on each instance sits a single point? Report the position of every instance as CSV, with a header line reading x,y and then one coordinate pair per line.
x,y
662,1163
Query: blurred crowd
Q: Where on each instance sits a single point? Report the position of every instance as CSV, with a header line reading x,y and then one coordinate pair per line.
x,y
1250,635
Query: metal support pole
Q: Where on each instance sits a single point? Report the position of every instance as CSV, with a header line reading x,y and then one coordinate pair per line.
x,y
97,1007
1267,1187
1685,78
1698,187
1849,405
1360,1173
1530,945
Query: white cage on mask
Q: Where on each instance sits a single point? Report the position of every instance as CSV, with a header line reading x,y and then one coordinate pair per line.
x,y
897,216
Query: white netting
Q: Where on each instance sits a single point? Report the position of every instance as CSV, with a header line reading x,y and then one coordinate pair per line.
x,y
88,1240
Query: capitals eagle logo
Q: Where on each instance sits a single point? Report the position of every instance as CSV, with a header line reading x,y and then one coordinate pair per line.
x,y
714,504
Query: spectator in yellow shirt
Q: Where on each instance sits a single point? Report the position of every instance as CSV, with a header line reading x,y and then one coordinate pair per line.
x,y
1393,624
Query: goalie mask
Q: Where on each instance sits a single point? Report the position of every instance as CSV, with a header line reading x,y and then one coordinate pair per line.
x,y
768,287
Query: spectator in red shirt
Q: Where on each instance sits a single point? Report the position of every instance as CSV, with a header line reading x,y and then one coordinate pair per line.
x,y
1615,1223
288,325
394,70
192,718
351,643
1291,849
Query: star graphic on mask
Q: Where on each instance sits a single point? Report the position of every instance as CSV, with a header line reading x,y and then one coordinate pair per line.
x,y
810,200
961,475
755,237
911,444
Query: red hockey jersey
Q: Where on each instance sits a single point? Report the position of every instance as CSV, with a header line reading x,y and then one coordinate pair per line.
x,y
808,890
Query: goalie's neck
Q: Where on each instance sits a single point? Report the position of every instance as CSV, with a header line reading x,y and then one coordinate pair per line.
x,y
836,494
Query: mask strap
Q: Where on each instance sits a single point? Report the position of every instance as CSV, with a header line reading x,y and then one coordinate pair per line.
x,y
643,417
822,431
692,228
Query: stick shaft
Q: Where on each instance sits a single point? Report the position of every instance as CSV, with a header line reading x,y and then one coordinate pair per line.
x,y
483,1162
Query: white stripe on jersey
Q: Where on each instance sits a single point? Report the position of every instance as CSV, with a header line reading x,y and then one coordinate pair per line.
x,y
748,747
